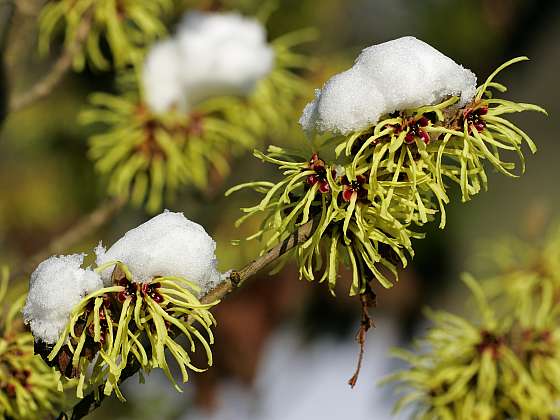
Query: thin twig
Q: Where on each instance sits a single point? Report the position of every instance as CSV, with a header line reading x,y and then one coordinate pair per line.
x,y
62,65
85,226
88,404
367,300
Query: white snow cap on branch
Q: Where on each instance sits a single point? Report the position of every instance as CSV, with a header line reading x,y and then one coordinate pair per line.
x,y
55,287
396,75
169,244
213,54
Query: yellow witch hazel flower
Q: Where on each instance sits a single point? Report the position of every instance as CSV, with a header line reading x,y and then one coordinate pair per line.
x,y
475,371
204,96
527,287
401,126
28,387
537,339
145,290
126,25
313,191
525,269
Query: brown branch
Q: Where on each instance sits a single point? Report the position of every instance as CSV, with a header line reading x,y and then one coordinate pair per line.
x,y
88,404
88,224
62,65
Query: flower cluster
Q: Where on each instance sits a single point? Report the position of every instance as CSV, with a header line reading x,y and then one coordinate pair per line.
x,y
505,366
146,154
28,387
114,323
525,269
349,227
127,26
94,326
384,180
146,157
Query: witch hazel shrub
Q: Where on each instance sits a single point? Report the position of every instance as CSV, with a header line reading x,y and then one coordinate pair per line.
x,y
388,139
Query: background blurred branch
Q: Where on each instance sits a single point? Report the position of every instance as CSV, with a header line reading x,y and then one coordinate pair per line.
x,y
236,277
7,9
85,226
62,65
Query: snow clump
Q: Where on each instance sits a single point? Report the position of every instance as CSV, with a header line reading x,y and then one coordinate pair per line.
x,y
169,244
56,286
212,54
396,75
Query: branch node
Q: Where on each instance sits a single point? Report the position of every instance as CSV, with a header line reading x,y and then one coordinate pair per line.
x,y
235,278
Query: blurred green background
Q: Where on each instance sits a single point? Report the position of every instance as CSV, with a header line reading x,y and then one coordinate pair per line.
x,y
47,184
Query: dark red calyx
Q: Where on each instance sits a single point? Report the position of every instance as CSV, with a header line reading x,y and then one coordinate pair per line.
x,y
546,336
423,121
157,297
128,292
11,390
324,187
397,128
527,335
196,124
312,179
151,290
490,342
144,288
415,130
474,118
353,187
542,336
320,175
316,163
102,314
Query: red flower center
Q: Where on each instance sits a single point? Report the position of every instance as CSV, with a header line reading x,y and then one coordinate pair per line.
x,y
353,187
320,175
474,118
416,130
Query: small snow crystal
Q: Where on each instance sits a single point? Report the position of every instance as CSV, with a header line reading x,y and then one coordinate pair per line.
x,y
213,54
56,286
396,75
167,245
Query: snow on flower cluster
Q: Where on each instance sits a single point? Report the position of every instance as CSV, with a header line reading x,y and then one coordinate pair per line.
x,y
396,75
167,245
212,54
55,287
